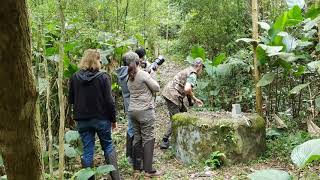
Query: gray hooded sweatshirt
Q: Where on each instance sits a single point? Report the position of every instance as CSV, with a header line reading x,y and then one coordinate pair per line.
x,y
122,74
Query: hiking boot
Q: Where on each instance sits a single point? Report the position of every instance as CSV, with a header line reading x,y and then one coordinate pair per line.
x,y
129,148
165,144
112,160
137,156
148,150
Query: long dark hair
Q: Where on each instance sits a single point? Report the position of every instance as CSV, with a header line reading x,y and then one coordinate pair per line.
x,y
132,70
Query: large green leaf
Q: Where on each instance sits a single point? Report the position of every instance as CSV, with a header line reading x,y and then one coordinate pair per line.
x,y
266,79
70,152
3,177
313,12
297,89
290,42
294,16
261,55
198,52
83,174
105,169
269,174
219,59
305,153
71,136
264,25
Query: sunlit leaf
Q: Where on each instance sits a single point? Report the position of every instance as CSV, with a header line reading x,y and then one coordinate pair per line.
x,y
198,51
297,89
313,12
247,40
266,79
105,169
305,153
264,25
219,59
83,174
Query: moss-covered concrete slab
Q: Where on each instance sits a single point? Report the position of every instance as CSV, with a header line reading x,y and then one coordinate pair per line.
x,y
197,134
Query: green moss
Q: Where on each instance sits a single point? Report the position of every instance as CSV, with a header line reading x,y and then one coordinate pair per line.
x,y
182,119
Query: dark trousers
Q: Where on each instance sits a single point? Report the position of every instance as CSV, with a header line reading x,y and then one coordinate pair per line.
x,y
173,109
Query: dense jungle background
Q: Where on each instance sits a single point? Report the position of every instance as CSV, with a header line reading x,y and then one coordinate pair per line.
x,y
265,59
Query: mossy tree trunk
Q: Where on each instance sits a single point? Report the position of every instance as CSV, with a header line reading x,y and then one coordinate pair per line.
x,y
19,128
255,36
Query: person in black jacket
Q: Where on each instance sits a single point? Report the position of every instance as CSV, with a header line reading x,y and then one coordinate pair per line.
x,y
94,109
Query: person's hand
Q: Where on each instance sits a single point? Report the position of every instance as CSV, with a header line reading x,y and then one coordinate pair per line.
x,y
114,126
199,102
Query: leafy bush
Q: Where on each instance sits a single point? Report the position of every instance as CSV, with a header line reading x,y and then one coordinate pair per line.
x,y
215,160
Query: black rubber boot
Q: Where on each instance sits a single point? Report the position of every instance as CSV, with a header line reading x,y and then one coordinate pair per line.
x,y
165,143
112,160
129,148
148,150
137,156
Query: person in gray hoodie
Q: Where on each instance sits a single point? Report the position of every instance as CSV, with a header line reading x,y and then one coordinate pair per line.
x,y
122,74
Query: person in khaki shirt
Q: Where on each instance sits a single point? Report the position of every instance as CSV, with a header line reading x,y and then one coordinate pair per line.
x,y
142,87
175,91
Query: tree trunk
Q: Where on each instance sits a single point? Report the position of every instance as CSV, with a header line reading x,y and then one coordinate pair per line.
x,y
255,36
60,91
19,129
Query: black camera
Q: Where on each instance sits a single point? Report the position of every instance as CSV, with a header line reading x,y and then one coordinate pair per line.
x,y
153,66
158,62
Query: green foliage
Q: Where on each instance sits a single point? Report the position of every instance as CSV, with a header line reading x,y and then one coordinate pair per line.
x,y
71,136
297,89
215,160
266,79
306,153
3,177
84,174
269,174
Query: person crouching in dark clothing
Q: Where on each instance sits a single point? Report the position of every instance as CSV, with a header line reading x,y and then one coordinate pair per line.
x,y
94,109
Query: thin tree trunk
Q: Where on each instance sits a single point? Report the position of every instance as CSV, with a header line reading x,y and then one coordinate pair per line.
x,y
48,93
255,36
19,128
117,23
167,33
60,91
125,17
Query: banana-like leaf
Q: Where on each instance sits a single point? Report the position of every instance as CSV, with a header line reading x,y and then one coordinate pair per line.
x,y
83,174
270,174
305,153
297,89
266,79
102,170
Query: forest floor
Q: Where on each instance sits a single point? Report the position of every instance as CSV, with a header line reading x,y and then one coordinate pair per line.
x,y
174,169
